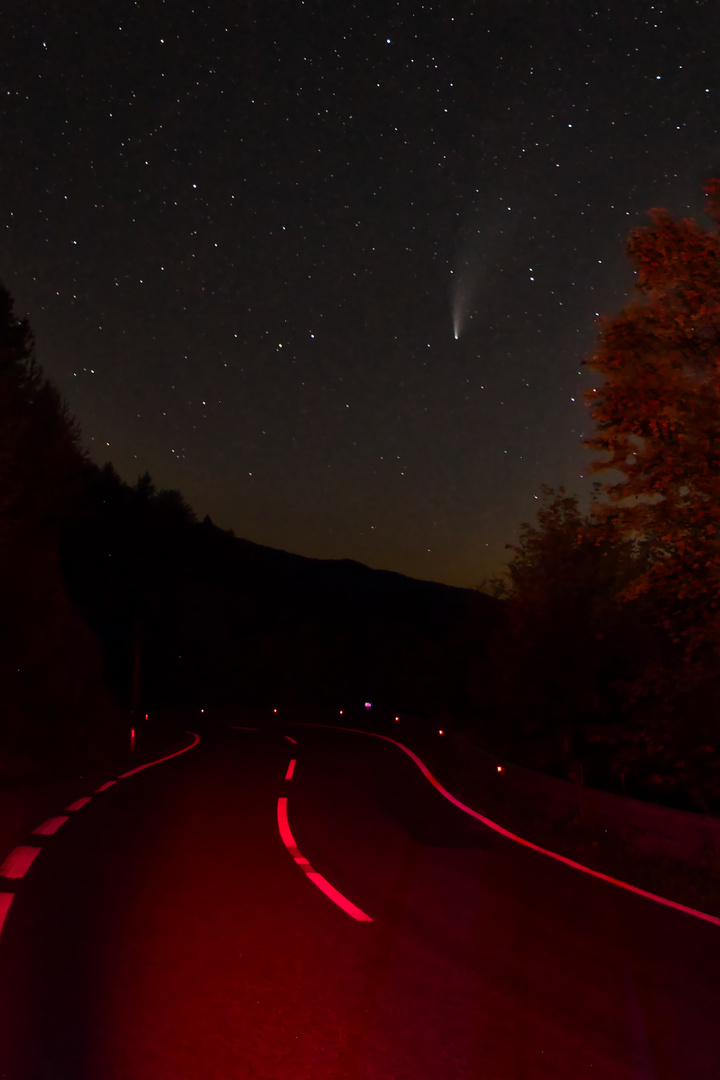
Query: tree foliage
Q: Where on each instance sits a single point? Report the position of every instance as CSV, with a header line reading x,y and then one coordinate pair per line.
x,y
40,458
657,420
566,650
50,663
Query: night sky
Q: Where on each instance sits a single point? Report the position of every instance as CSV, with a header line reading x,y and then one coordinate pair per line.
x,y
247,234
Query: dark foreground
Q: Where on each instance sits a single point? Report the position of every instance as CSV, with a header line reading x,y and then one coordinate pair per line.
x,y
165,932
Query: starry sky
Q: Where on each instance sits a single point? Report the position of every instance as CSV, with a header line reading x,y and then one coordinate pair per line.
x,y
330,269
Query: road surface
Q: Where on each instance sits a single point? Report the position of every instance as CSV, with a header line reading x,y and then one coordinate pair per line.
x,y
172,929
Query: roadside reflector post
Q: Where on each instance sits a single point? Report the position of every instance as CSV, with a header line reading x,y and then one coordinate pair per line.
x,y
132,738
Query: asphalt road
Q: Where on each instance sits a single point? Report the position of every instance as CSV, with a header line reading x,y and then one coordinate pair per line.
x,y
166,932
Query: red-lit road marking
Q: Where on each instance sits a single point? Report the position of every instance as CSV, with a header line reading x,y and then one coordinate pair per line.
x,y
6,899
290,769
79,803
104,787
337,897
19,862
131,772
519,839
50,827
290,739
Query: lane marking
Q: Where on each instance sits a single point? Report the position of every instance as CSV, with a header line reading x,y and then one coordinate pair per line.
x,y
290,739
19,862
290,769
149,765
21,858
317,879
6,899
50,827
714,919
79,803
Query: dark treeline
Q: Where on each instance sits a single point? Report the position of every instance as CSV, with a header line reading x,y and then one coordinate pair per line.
x,y
100,578
583,661
52,690
217,619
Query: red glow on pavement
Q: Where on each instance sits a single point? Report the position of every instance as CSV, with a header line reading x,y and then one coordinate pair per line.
x,y
105,786
714,919
6,899
290,769
131,772
50,827
317,879
290,739
79,803
19,862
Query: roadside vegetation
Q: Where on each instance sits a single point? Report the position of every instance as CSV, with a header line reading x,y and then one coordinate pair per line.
x,y
608,657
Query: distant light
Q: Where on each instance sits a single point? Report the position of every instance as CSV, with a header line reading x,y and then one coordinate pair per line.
x,y
274,710
500,768
341,712
146,716
441,732
368,705
202,710
397,717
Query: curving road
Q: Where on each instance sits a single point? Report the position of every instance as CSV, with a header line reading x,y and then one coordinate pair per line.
x,y
224,915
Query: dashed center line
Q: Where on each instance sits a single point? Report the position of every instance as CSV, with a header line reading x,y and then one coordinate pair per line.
x,y
105,786
290,739
79,803
19,862
50,827
6,899
317,879
290,769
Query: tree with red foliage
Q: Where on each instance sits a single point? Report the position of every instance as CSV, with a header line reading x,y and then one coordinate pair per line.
x,y
657,418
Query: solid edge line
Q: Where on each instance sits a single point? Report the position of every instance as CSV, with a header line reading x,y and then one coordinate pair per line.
x,y
131,772
714,919
317,879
